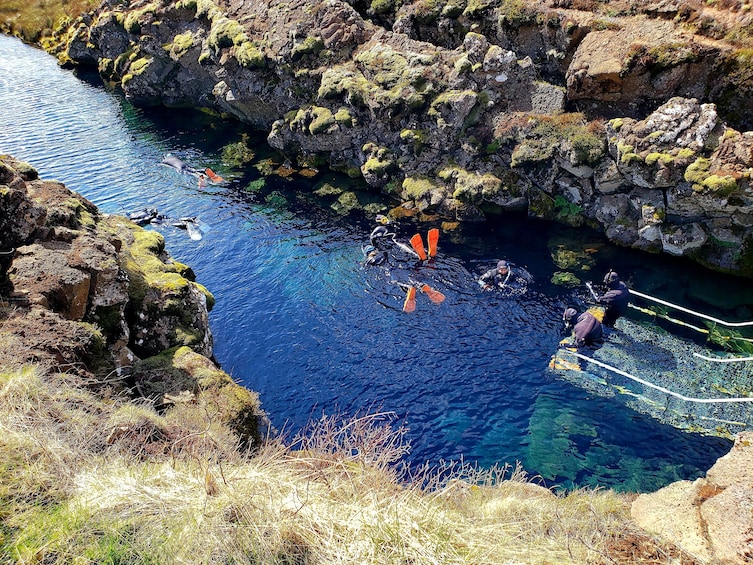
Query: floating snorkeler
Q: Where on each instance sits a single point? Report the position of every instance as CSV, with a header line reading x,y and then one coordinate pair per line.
x,y
183,168
383,242
506,277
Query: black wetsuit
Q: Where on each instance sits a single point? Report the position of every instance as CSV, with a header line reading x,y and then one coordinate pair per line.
x,y
514,277
616,300
587,329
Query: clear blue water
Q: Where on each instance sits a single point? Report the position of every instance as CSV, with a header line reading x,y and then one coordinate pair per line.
x,y
299,320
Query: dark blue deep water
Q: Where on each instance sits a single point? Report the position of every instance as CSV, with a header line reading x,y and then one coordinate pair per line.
x,y
299,320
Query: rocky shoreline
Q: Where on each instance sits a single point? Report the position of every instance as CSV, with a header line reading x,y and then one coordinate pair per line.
x,y
621,120
98,297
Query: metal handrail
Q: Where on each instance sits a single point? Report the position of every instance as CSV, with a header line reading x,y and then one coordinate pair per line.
x,y
693,312
660,388
722,359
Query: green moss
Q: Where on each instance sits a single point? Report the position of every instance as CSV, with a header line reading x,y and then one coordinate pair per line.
x,y
310,45
237,154
181,44
382,6
476,7
256,185
417,137
655,157
322,120
382,77
471,187
628,158
516,13
616,123
205,58
697,171
377,166
139,66
225,33
722,185
208,9
187,5
567,133
276,199
685,153
344,117
105,67
416,187
623,148
564,278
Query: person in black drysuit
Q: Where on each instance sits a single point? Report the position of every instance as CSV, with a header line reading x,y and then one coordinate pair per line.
x,y
616,298
586,328
505,275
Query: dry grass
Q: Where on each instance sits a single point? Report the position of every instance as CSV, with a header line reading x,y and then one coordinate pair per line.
x,y
75,490
31,19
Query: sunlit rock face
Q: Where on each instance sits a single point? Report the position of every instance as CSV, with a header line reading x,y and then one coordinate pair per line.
x,y
467,112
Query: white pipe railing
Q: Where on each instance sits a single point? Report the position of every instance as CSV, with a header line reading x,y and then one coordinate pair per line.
x,y
693,312
657,387
722,359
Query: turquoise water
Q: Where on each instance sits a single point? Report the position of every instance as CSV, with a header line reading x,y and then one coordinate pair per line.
x,y
301,321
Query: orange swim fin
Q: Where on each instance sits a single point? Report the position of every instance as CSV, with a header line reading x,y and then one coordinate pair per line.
x,y
417,242
433,237
410,300
213,176
434,295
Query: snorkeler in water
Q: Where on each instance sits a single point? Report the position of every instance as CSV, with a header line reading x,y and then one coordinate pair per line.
x,y
506,276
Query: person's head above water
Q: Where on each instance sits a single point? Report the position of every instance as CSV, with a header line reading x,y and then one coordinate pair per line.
x,y
503,267
611,278
569,315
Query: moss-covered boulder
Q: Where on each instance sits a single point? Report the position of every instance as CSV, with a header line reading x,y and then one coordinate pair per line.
x,y
180,375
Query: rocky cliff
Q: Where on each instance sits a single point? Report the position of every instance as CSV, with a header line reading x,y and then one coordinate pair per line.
x,y
94,295
626,116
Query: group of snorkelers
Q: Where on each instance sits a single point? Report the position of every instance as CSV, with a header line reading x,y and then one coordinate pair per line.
x,y
585,327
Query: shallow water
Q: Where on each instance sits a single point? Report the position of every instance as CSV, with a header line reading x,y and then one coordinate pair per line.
x,y
301,321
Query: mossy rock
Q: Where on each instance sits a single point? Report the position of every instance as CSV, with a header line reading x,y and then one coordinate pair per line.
x,y
377,167
131,21
344,117
418,138
181,369
697,171
416,188
326,190
698,174
346,202
181,44
323,120
250,56
565,278
237,154
310,45
658,157
380,75
225,33
473,188
382,6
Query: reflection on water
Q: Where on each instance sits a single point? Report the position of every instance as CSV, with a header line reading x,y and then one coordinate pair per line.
x,y
300,319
